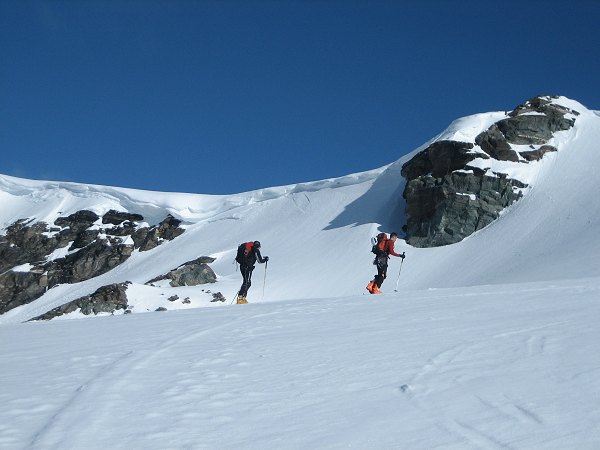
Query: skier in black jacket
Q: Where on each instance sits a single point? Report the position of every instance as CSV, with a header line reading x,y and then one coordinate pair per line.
x,y
248,254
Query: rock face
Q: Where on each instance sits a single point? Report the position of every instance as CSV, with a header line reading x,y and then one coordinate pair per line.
x,y
191,273
445,210
440,158
532,123
24,243
448,196
35,257
117,217
536,155
107,299
148,238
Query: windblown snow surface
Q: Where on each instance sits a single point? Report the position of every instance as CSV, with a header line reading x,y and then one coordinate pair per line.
x,y
488,343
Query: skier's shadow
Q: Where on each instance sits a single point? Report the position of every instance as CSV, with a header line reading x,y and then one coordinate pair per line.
x,y
382,203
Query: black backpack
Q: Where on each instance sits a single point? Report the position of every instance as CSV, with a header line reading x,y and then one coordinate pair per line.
x,y
242,252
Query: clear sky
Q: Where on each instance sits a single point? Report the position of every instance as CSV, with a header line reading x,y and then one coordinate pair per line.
x,y
228,96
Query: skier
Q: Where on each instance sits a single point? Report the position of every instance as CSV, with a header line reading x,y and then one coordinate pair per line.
x,y
247,255
383,249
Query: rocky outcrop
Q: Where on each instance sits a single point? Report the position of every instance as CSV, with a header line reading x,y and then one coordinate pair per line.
x,y
439,159
77,222
87,247
148,238
96,258
532,123
117,217
536,155
495,144
19,288
107,299
445,210
29,243
218,297
448,197
191,273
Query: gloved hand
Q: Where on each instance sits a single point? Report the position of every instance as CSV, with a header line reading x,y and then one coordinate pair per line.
x,y
266,258
402,255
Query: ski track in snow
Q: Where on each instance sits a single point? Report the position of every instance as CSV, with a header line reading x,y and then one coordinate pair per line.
x,y
445,363
75,398
108,383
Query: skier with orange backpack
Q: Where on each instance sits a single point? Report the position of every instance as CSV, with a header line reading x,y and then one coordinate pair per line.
x,y
382,249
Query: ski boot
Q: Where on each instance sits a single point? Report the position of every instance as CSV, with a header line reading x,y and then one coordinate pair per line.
x,y
370,286
241,300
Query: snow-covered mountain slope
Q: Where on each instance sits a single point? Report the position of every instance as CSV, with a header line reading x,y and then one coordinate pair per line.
x,y
550,234
318,234
488,343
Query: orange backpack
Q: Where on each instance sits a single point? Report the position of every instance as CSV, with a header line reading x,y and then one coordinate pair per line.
x,y
379,247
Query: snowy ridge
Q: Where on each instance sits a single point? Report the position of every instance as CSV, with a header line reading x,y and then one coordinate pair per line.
x,y
180,205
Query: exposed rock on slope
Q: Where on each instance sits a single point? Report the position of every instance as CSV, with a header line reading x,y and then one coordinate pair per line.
x,y
35,257
191,273
149,238
448,196
447,209
107,299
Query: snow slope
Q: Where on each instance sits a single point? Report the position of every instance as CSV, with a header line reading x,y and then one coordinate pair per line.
x,y
505,366
489,343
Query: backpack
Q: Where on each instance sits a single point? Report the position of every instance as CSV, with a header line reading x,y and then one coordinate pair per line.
x,y
243,251
379,247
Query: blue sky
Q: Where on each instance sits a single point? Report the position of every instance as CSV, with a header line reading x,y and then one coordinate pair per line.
x,y
228,96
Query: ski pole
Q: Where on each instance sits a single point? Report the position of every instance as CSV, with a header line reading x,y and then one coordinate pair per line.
x,y
399,272
265,280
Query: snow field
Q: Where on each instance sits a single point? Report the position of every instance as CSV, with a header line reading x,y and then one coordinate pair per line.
x,y
512,366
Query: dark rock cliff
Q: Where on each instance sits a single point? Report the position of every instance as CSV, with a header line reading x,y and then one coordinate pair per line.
x,y
35,257
447,199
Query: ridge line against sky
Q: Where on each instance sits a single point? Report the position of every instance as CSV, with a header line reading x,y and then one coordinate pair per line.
x,y
224,97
